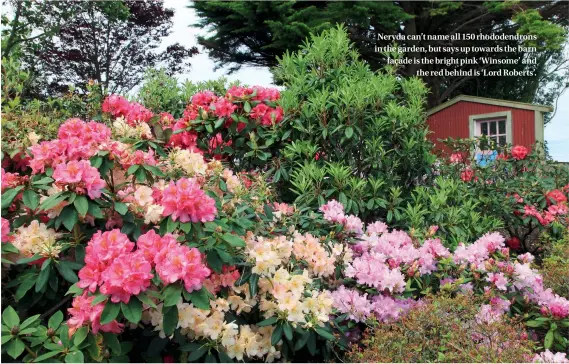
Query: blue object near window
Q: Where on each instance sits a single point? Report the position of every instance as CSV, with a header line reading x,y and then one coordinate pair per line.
x,y
484,158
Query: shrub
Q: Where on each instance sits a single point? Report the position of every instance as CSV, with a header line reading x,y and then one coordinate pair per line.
x,y
444,329
355,135
522,188
447,209
555,266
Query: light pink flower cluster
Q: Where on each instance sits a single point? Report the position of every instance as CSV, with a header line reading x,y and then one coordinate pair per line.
x,y
134,113
186,201
6,238
76,140
80,177
481,249
358,307
82,312
334,211
494,311
549,357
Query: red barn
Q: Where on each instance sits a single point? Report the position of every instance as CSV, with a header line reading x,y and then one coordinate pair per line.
x,y
506,122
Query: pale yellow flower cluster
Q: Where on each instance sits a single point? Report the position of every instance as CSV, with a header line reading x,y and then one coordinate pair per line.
x,y
320,262
191,163
142,203
36,238
123,130
267,254
231,180
238,341
285,295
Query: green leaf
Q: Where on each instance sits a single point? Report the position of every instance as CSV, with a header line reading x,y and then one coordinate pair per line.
x,y
534,323
112,341
132,169
80,335
171,225
46,356
311,343
66,272
200,299
99,297
276,336
223,357
194,356
170,321
69,217
147,300
15,348
55,320
74,290
121,208
233,240
349,132
287,330
548,341
253,282
28,260
299,344
52,201
267,322
9,195
110,312
214,261
43,181
325,334
154,170
132,311
43,277
247,107
30,320
24,287
172,294
81,205
31,199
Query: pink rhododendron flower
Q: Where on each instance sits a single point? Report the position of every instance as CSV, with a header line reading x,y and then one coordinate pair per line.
x,y
182,263
467,175
82,176
186,201
353,303
519,152
555,197
549,357
83,312
128,274
223,108
499,280
333,211
354,224
272,116
5,231
204,98
377,228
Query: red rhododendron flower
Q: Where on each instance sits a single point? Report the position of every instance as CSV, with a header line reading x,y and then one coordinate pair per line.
x,y
224,108
467,175
519,152
513,242
555,197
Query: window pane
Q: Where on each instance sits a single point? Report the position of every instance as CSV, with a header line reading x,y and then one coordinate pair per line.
x,y
502,127
502,140
492,128
484,129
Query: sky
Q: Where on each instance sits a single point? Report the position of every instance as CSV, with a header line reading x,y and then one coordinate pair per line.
x,y
556,131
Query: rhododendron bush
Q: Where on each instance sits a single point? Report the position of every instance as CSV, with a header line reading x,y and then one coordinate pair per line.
x,y
120,249
528,192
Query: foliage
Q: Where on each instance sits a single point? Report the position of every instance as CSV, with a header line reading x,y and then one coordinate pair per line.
x,y
444,329
356,135
555,266
112,43
158,254
257,33
522,188
450,206
160,91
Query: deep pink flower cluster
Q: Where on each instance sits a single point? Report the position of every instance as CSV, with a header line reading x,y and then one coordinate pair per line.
x,y
173,261
133,113
5,224
548,215
261,93
186,201
80,177
76,140
267,115
116,270
12,180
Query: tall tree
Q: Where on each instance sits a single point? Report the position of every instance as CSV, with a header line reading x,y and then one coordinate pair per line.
x,y
112,43
243,31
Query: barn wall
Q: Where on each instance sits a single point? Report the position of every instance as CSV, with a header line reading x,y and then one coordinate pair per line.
x,y
452,122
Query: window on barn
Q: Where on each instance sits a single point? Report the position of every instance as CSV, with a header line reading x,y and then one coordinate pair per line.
x,y
493,129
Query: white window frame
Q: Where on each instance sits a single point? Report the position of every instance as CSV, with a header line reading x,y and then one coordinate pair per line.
x,y
474,123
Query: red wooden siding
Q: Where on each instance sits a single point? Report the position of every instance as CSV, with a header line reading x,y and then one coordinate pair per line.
x,y
452,122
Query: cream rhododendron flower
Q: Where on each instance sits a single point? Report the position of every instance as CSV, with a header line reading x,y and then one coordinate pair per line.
x,y
36,238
